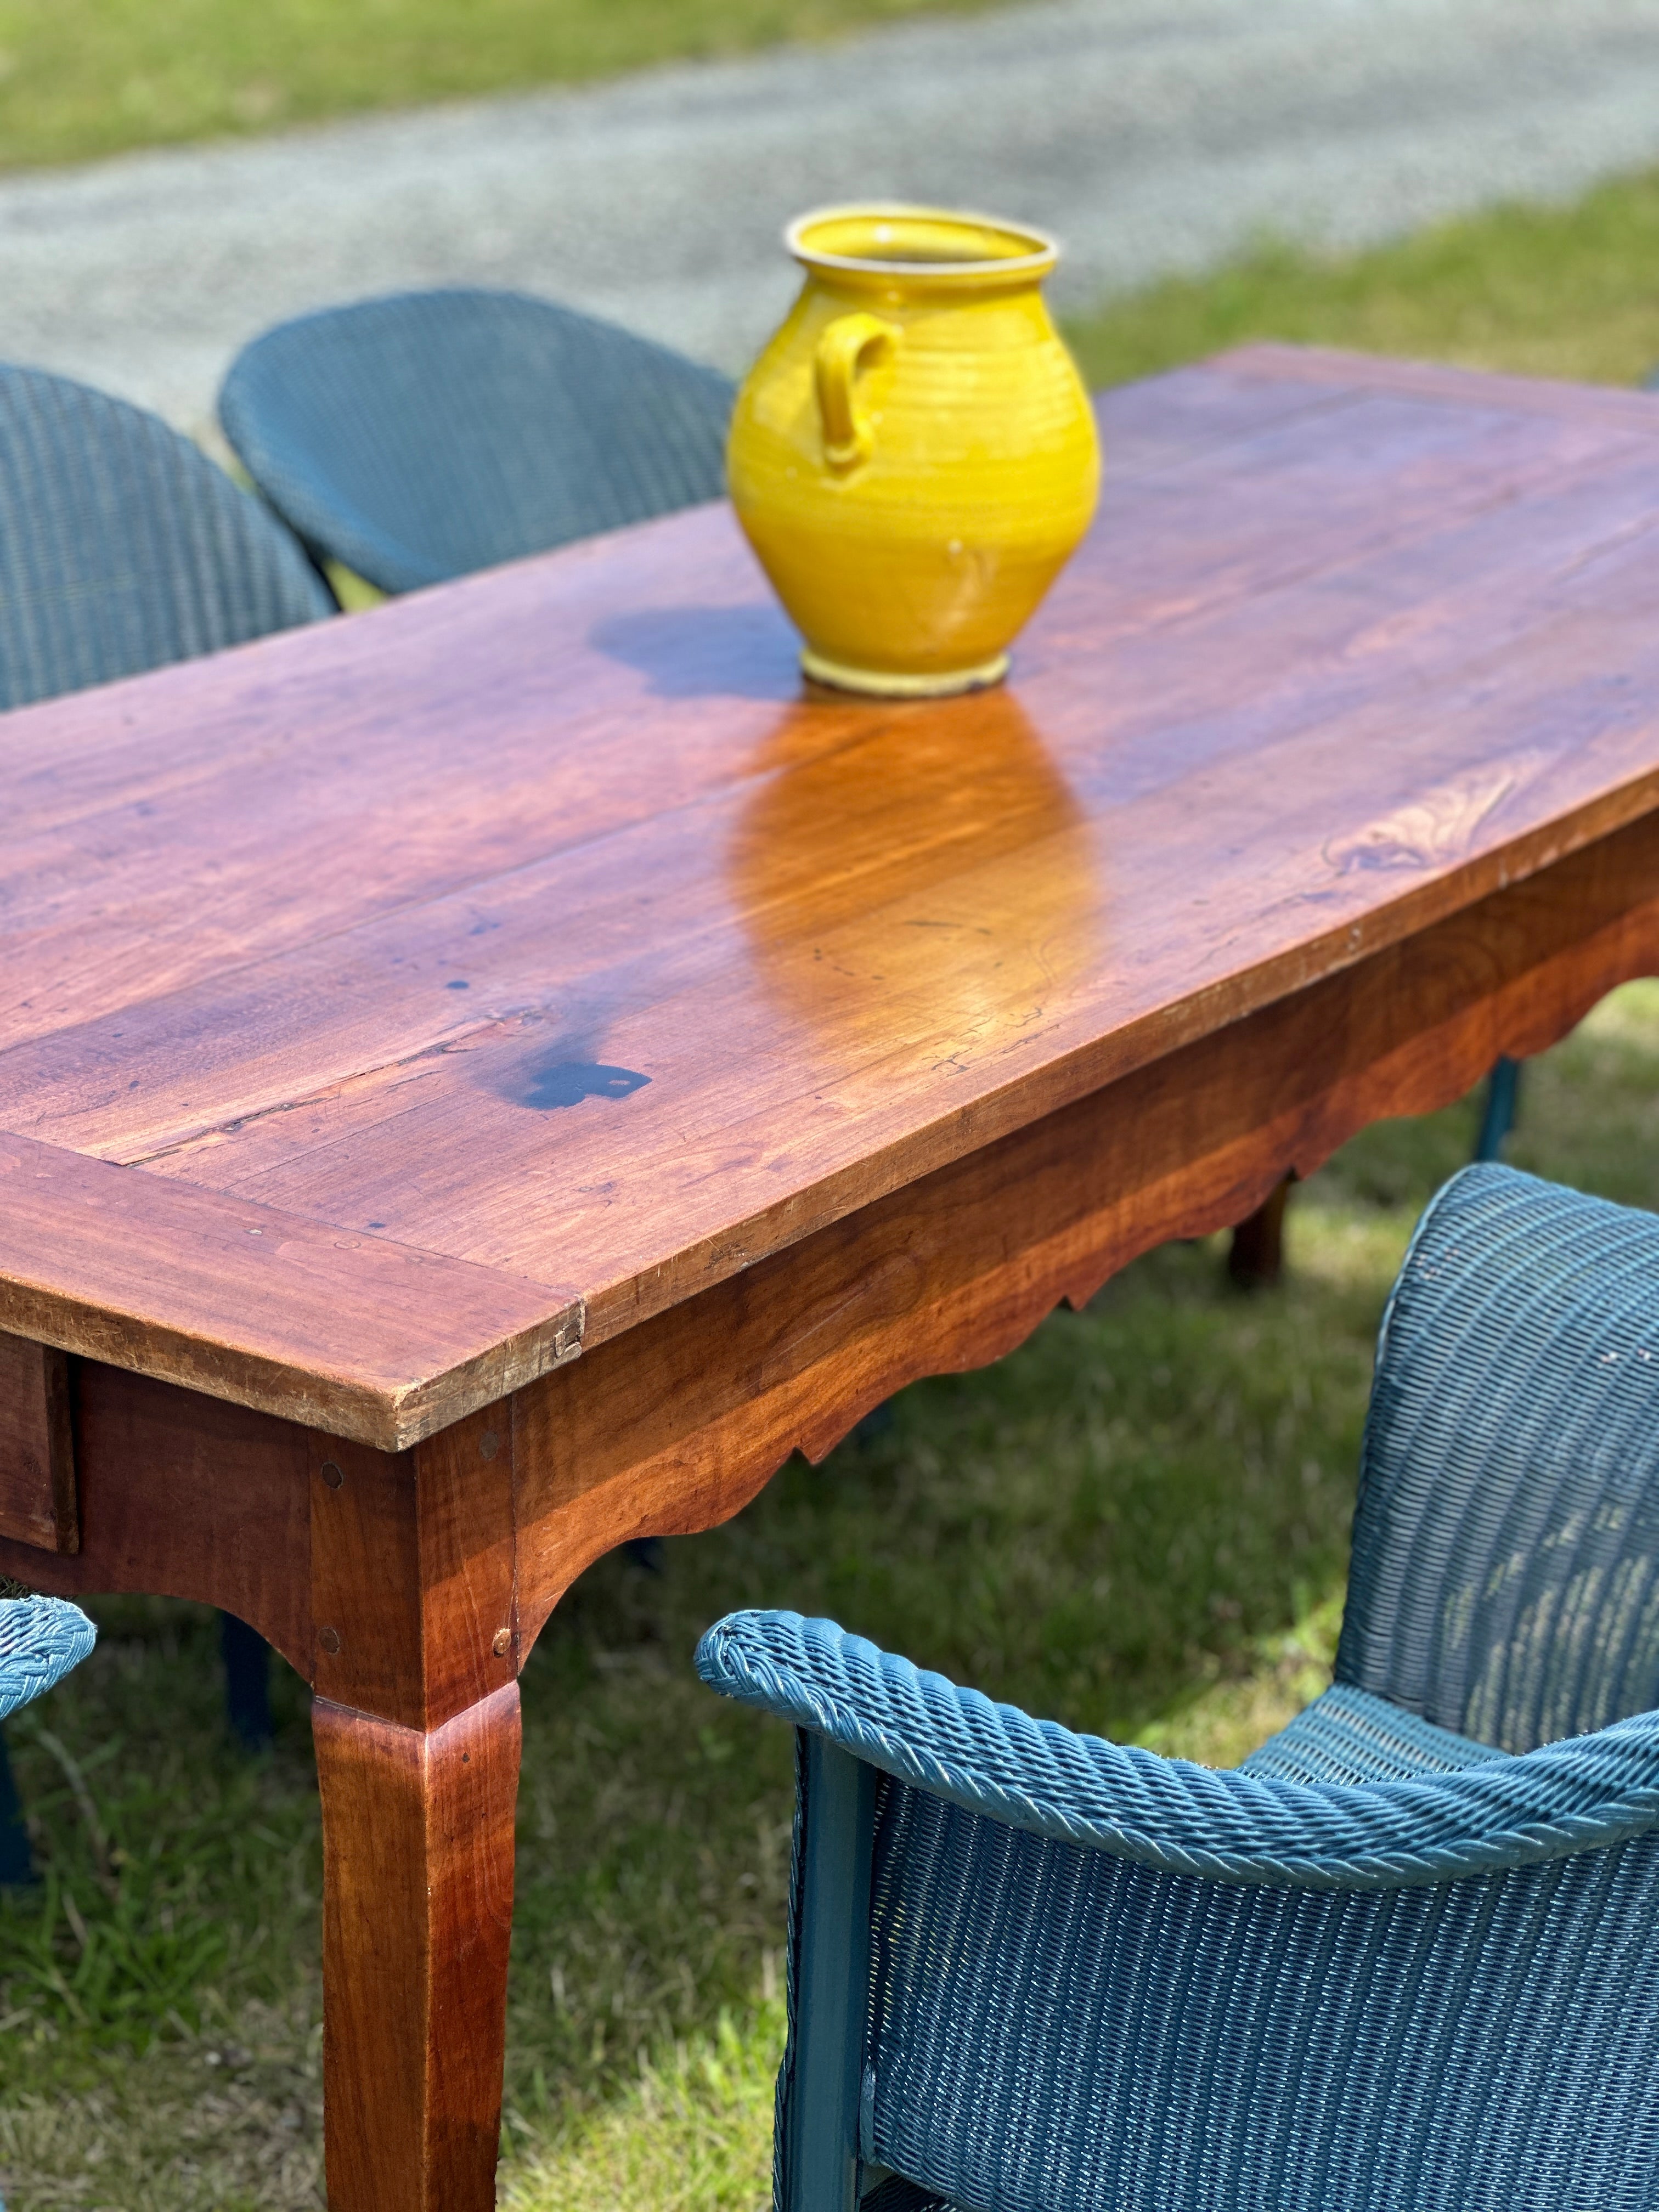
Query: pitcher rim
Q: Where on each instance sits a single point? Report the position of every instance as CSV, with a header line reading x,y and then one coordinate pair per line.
x,y
997,269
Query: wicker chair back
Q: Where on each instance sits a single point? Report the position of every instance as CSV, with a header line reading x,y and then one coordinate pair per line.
x,y
1505,1573
420,437
1387,1965
123,547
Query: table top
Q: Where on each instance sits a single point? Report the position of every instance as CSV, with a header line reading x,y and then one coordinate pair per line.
x,y
392,1007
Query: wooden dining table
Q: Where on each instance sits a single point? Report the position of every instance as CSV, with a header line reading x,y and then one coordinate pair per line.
x,y
492,1077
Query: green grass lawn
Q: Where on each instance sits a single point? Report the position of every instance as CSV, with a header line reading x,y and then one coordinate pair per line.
x,y
84,77
1566,291
1137,1522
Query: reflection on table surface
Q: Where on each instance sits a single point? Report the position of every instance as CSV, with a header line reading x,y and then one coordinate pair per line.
x,y
931,855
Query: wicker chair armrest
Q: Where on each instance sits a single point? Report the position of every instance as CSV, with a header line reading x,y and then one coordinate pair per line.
x,y
1582,1795
40,1639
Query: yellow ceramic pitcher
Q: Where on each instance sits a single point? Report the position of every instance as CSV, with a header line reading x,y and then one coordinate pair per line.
x,y
913,456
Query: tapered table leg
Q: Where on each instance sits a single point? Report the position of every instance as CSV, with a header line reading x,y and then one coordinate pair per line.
x,y
417,1845
416,1727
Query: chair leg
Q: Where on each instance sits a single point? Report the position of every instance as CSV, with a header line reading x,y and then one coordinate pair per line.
x,y
875,1424
1256,1259
820,2162
16,1862
247,1683
1503,1102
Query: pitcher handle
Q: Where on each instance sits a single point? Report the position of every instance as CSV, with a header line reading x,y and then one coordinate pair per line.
x,y
850,343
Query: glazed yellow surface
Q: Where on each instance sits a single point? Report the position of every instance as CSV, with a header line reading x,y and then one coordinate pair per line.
x,y
913,455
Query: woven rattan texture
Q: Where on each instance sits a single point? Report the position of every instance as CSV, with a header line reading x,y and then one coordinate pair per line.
x,y
1348,1735
1059,2030
1355,1974
1168,1813
40,1639
1505,1577
122,547
422,436
1344,1736
897,2195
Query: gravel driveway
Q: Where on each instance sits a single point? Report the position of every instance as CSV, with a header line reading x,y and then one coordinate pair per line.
x,y
1153,135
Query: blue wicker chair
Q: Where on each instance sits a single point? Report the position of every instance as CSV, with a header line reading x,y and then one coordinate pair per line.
x,y
40,1639
122,547
419,437
1406,1956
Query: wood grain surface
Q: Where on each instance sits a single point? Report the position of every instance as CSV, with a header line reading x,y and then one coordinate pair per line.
x,y
677,1425
351,1333
39,1505
530,957
182,1495
417,1914
415,1661
412,1593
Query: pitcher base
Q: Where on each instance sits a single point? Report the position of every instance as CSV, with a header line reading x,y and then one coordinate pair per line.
x,y
889,683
